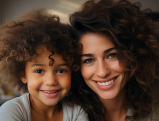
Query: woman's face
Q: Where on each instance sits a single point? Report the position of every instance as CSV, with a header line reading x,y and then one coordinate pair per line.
x,y
100,66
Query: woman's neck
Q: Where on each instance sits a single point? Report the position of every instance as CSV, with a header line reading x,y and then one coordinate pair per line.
x,y
116,108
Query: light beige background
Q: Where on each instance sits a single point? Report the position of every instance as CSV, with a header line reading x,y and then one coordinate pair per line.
x,y
12,9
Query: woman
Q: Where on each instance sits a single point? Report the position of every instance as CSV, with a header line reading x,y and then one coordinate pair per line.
x,y
119,61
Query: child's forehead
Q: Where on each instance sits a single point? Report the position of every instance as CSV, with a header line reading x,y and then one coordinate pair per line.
x,y
39,49
43,53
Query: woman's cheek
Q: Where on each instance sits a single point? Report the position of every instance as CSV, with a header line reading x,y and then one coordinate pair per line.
x,y
115,66
87,72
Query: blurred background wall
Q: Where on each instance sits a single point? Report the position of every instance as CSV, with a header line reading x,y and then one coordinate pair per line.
x,y
12,9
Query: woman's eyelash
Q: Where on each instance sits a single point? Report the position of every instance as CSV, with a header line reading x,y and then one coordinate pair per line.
x,y
88,61
39,71
112,55
61,71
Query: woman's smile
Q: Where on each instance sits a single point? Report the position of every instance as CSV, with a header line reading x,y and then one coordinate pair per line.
x,y
105,85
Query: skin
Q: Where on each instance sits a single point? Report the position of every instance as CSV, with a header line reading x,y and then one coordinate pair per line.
x,y
100,64
41,77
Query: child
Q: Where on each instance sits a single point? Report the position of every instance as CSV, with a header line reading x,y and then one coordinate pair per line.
x,y
37,54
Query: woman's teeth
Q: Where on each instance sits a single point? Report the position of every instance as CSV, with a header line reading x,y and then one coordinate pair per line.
x,y
50,91
106,83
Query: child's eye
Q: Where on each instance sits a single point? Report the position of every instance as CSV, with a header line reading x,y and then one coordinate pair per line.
x,y
88,61
112,55
61,71
39,71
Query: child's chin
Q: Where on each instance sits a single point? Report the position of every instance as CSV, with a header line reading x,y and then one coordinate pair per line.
x,y
51,104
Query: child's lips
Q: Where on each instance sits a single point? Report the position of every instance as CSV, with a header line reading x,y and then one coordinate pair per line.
x,y
50,93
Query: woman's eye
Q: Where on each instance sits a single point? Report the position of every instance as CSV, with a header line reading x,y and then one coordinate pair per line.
x,y
61,71
39,71
88,61
112,55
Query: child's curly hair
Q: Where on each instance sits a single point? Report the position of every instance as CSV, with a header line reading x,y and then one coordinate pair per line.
x,y
18,40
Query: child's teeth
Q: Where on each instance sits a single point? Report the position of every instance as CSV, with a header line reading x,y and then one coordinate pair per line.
x,y
49,91
105,83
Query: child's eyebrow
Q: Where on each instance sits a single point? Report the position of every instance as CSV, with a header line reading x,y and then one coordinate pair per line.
x,y
64,64
37,65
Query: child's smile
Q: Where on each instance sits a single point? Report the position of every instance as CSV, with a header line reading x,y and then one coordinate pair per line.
x,y
50,93
47,84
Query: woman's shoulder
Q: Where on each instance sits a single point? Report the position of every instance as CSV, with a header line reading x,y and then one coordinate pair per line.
x,y
153,116
73,112
17,109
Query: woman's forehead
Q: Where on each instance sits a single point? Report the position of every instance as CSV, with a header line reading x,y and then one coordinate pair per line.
x,y
92,41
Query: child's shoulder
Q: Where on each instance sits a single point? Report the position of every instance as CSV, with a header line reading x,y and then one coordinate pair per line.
x,y
73,112
18,101
17,109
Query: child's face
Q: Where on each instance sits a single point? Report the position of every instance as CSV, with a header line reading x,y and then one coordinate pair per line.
x,y
47,84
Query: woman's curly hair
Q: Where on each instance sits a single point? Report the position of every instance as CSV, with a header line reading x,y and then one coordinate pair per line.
x,y
18,40
133,34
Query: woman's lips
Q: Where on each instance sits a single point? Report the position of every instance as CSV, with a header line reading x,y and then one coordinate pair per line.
x,y
50,93
105,85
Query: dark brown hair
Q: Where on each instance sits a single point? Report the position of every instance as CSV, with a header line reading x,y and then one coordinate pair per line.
x,y
133,34
18,40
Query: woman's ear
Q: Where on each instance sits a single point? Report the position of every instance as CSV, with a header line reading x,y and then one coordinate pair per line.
x,y
23,78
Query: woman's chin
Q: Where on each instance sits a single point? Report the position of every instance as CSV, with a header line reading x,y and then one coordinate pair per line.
x,y
108,95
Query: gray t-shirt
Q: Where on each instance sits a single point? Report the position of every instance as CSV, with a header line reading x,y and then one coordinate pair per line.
x,y
18,109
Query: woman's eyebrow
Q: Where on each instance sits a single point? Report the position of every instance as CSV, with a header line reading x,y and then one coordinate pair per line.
x,y
106,51
88,55
110,49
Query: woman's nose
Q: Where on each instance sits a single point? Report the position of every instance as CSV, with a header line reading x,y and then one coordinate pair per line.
x,y
103,69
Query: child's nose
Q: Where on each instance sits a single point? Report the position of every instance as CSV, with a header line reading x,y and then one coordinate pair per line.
x,y
51,80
